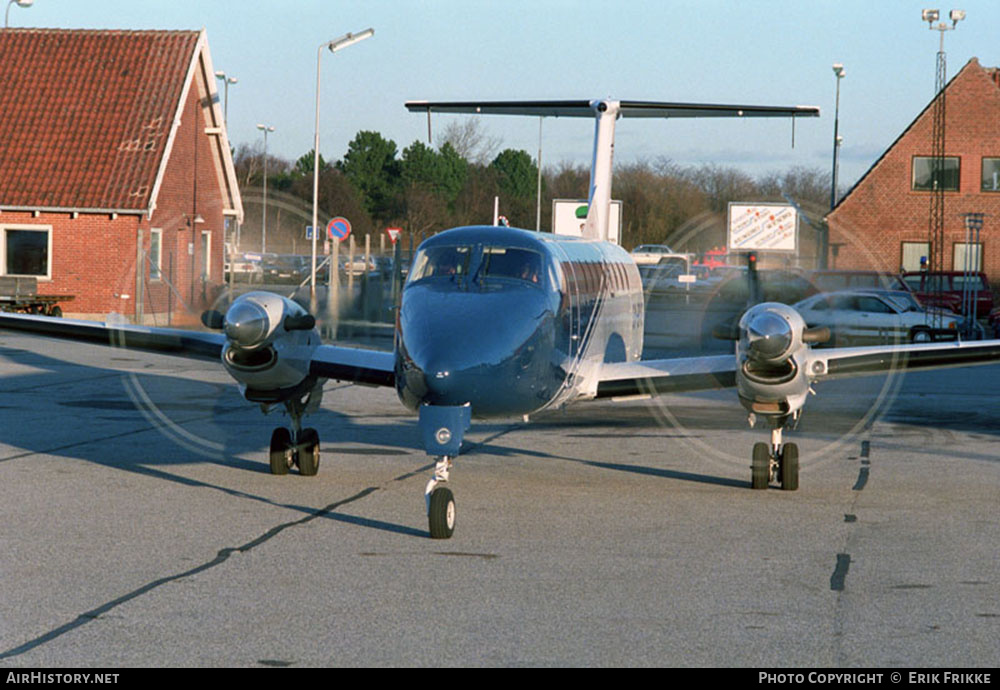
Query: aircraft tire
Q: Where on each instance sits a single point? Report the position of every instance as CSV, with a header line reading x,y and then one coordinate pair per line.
x,y
760,467
790,467
281,439
441,513
309,453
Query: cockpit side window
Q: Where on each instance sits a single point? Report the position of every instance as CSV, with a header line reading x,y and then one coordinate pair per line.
x,y
512,262
441,261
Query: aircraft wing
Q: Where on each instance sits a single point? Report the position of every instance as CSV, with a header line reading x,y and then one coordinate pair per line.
x,y
370,367
197,344
584,108
719,371
666,376
357,365
863,361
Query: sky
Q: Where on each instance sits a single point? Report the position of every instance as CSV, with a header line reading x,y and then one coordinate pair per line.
x,y
759,52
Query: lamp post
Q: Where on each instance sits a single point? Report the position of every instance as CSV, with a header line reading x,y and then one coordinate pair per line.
x,y
226,81
263,223
824,233
344,41
20,3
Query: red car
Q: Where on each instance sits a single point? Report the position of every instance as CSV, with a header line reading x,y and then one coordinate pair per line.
x,y
974,288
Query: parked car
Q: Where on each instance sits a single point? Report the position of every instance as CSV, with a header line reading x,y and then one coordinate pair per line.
x,y
652,253
876,316
976,288
776,285
286,268
243,268
833,280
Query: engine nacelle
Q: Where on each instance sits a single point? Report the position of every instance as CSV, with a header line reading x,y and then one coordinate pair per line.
x,y
771,356
270,342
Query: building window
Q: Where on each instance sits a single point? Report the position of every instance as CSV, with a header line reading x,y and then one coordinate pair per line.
x,y
913,252
26,250
206,254
927,178
991,175
967,257
155,254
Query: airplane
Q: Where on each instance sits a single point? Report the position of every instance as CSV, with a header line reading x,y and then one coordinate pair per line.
x,y
500,322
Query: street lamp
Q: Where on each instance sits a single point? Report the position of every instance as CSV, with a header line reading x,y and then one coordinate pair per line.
x,y
824,238
226,80
20,3
344,41
838,70
263,225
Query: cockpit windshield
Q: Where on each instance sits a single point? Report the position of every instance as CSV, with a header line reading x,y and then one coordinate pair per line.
x,y
441,261
512,262
468,267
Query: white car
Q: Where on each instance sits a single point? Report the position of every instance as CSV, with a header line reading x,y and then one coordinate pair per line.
x,y
875,316
652,253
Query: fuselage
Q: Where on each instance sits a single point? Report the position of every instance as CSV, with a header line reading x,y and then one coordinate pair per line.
x,y
512,321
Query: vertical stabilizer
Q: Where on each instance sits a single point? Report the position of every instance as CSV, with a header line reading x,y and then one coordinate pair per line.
x,y
599,199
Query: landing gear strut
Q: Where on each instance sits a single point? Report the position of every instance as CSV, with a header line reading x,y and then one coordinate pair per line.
x,y
776,461
296,447
442,428
440,502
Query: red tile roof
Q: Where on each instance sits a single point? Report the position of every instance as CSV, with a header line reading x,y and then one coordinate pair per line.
x,y
85,115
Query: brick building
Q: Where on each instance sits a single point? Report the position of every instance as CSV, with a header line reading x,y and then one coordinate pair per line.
x,y
113,156
883,222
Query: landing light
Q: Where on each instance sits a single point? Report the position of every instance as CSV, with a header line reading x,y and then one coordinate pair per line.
x,y
443,435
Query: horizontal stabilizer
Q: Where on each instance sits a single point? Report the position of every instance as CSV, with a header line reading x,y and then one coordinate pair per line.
x,y
626,109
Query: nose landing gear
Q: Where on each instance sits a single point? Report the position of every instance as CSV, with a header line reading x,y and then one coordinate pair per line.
x,y
442,428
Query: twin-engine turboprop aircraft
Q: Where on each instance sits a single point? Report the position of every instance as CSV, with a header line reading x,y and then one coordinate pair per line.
x,y
503,322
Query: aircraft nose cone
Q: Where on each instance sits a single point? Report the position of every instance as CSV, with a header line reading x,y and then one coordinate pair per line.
x,y
246,324
769,335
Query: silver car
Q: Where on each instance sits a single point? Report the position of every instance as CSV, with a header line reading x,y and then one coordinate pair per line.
x,y
874,316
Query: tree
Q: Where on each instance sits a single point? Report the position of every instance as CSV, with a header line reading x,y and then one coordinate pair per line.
x,y
371,166
517,179
443,174
470,141
304,165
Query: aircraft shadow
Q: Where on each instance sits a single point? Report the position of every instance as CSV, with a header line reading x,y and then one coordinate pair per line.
x,y
206,422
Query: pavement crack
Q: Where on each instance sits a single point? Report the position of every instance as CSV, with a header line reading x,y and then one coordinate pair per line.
x,y
221,557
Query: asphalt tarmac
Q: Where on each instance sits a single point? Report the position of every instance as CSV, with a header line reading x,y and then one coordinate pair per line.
x,y
140,526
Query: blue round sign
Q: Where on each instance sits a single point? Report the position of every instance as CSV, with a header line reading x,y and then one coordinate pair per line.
x,y
338,229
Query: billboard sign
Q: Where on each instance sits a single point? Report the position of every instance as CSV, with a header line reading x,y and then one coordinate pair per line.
x,y
569,215
762,227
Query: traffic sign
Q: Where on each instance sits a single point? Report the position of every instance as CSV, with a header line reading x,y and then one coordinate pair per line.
x,y
338,229
393,234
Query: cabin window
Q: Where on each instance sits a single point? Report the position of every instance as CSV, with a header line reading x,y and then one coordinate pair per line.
x,y
512,262
441,261
26,251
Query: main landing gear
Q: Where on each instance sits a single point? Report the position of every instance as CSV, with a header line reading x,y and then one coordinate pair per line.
x,y
776,461
296,447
